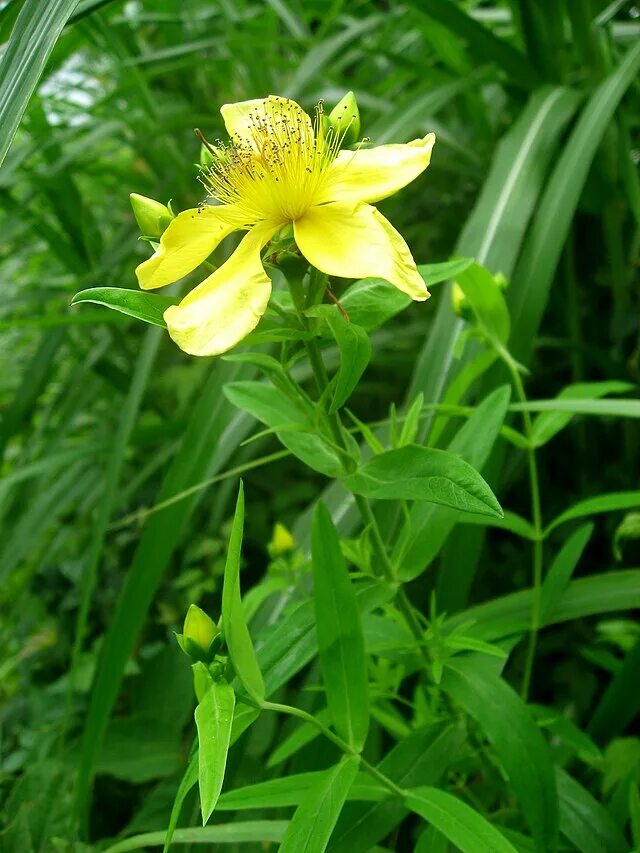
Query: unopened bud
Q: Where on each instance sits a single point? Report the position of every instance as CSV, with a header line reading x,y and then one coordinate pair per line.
x,y
281,542
199,635
345,119
459,302
152,216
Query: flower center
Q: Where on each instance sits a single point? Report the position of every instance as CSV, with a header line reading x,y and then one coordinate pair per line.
x,y
277,170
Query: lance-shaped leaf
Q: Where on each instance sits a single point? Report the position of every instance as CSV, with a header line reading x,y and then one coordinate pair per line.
x,y
234,628
462,825
315,818
508,725
214,716
340,640
148,307
424,474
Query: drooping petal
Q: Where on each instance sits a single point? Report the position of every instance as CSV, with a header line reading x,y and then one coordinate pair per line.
x,y
253,122
356,241
371,174
222,310
188,240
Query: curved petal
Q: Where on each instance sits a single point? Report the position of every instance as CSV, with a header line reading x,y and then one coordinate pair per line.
x,y
251,122
358,242
371,174
226,306
187,241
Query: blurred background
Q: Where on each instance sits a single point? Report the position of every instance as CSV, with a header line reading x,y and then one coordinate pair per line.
x,y
534,173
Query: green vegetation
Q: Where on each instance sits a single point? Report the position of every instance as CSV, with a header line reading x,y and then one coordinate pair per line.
x,y
405,533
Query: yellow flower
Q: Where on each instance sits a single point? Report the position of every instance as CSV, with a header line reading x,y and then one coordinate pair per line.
x,y
279,169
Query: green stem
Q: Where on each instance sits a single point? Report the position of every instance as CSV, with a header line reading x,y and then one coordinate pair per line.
x,y
335,739
536,516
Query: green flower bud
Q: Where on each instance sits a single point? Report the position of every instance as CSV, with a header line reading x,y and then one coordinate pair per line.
x,y
200,638
345,119
152,216
281,542
459,303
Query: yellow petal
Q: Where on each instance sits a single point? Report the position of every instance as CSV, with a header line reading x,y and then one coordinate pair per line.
x,y
250,122
226,306
358,242
371,174
188,240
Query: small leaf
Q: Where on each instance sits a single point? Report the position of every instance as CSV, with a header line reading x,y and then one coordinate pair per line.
x,y
187,782
339,631
288,418
487,303
423,474
148,307
214,716
563,566
594,506
355,352
462,825
548,424
315,818
370,302
234,628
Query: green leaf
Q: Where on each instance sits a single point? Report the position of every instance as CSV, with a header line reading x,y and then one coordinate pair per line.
x,y
560,571
211,436
595,506
431,526
234,628
532,279
340,642
187,782
289,420
620,702
370,302
355,353
292,790
508,725
421,758
605,408
487,302
424,474
511,614
462,825
548,424
587,825
148,307
33,37
214,716
315,818
256,831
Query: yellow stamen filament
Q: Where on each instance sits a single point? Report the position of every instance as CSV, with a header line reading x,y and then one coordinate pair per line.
x,y
278,170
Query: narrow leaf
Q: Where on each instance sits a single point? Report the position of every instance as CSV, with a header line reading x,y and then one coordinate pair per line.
x,y
33,37
562,568
594,506
509,726
462,825
355,352
214,716
234,628
340,641
315,818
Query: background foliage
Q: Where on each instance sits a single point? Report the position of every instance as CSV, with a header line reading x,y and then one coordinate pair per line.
x,y
120,456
